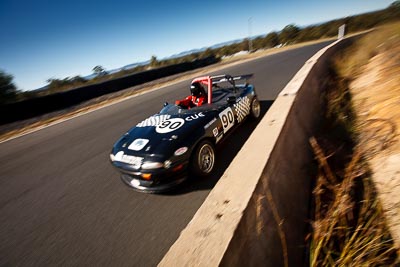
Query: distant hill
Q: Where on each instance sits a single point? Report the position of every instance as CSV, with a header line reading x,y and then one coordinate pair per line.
x,y
199,50
182,54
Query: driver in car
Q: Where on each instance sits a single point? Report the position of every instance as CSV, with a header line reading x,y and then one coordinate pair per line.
x,y
196,99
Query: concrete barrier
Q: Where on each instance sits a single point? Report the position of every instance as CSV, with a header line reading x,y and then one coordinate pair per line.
x,y
257,215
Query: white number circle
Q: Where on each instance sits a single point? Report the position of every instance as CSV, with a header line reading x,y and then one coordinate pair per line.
x,y
227,119
170,125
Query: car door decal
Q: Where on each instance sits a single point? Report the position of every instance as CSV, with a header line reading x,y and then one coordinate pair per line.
x,y
227,118
242,108
153,120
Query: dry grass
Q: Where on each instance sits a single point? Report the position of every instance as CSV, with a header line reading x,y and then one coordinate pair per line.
x,y
382,39
348,229
349,224
376,91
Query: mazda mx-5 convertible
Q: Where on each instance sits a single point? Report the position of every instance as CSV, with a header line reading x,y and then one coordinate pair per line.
x,y
161,151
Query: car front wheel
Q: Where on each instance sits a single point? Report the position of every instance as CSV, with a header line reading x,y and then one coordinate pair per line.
x,y
203,159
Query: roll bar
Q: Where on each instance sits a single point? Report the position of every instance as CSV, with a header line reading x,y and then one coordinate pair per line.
x,y
211,80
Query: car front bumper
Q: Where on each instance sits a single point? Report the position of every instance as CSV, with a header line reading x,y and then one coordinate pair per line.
x,y
160,180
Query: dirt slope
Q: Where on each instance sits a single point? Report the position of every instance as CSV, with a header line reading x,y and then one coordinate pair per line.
x,y
376,96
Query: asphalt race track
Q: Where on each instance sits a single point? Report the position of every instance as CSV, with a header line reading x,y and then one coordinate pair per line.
x,y
62,203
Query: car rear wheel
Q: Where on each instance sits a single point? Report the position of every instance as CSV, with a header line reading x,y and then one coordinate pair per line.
x,y
203,159
255,108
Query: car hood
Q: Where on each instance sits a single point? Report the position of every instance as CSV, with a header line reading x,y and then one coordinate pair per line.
x,y
162,134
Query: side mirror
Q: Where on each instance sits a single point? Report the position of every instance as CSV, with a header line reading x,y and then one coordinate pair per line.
x,y
165,104
231,100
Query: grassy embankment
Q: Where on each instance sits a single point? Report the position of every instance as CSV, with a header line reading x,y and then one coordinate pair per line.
x,y
349,227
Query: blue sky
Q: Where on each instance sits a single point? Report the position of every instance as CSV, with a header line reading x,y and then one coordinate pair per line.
x,y
44,39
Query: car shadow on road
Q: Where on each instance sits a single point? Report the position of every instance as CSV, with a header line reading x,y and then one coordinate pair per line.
x,y
226,152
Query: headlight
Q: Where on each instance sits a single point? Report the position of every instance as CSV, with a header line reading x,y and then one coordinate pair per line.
x,y
148,165
112,157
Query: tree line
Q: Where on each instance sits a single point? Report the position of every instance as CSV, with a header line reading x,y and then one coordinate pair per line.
x,y
290,34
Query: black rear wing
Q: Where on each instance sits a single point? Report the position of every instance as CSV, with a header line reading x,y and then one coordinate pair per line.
x,y
231,79
228,78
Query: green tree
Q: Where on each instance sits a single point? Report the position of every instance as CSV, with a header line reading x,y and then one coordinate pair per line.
x,y
8,91
154,62
289,33
56,85
243,45
311,33
395,4
78,80
226,50
272,39
393,11
258,43
207,53
99,70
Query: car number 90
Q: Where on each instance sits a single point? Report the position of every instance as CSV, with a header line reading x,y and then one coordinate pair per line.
x,y
227,119
170,125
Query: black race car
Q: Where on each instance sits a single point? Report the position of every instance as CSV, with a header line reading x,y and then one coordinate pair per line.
x,y
159,152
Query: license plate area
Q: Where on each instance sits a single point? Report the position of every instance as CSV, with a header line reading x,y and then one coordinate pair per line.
x,y
134,161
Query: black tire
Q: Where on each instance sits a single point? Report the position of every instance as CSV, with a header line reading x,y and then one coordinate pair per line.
x,y
255,108
203,159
